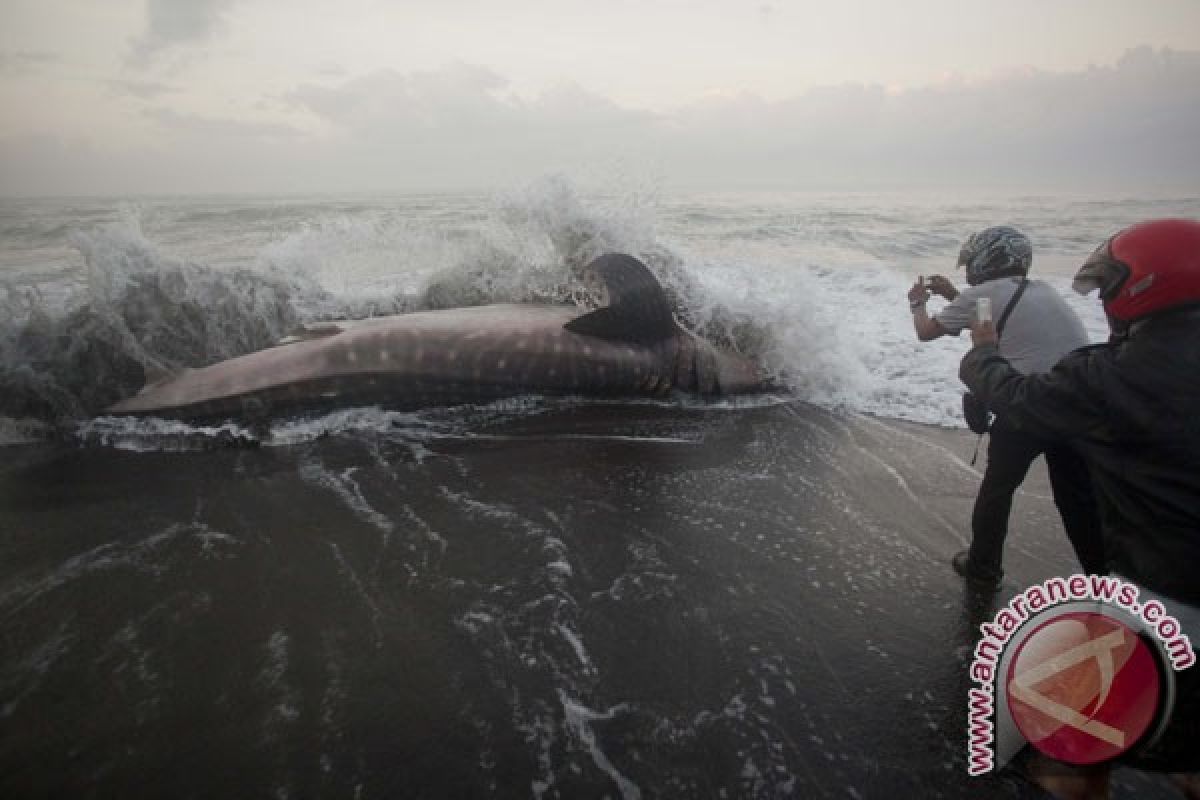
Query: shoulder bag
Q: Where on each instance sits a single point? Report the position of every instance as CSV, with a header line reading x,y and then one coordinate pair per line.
x,y
979,419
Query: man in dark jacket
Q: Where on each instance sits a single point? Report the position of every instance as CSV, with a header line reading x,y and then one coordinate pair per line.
x,y
1132,408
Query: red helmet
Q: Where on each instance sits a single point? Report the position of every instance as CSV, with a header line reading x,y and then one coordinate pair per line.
x,y
1145,269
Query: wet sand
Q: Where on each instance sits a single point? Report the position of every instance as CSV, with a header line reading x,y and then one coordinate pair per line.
x,y
623,601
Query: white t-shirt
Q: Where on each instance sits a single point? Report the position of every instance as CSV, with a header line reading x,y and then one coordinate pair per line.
x,y
1041,329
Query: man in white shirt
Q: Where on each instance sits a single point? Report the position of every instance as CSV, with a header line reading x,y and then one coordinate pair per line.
x,y
1039,330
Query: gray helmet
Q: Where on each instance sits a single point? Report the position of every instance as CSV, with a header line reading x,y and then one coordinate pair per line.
x,y
995,253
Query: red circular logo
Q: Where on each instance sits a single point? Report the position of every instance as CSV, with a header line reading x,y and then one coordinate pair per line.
x,y
1083,688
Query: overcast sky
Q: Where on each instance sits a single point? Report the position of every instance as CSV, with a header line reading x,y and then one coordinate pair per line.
x,y
180,96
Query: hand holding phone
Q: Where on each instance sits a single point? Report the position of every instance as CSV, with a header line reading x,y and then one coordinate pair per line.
x,y
982,329
940,285
918,294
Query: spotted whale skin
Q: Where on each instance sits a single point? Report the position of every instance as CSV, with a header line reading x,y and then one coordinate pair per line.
x,y
632,346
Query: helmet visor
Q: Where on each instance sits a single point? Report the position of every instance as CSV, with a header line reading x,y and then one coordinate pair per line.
x,y
964,254
1100,271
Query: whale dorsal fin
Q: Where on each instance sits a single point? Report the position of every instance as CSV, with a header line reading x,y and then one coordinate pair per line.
x,y
637,309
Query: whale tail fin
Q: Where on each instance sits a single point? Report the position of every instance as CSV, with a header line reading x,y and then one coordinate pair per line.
x,y
637,310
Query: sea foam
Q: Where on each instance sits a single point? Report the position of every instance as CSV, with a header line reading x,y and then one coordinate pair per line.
x,y
811,287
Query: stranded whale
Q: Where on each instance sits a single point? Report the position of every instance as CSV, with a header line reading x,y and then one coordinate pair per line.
x,y
631,346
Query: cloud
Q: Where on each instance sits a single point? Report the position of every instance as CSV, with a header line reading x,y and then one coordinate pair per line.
x,y
387,99
208,129
142,90
460,100
22,62
174,23
461,126
330,69
1131,124
1134,121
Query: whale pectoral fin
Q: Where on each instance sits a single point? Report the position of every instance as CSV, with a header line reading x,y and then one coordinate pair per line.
x,y
317,330
638,310
603,322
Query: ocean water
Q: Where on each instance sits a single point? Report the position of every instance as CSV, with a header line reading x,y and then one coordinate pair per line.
x,y
541,597
96,293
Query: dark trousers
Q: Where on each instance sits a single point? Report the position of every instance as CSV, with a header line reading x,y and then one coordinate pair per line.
x,y
1010,452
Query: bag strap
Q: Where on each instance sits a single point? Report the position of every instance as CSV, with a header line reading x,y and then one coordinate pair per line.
x,y
1011,304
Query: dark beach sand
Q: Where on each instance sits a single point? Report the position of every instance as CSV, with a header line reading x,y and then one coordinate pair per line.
x,y
587,602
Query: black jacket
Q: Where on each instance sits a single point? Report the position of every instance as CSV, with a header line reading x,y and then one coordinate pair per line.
x,y
1132,409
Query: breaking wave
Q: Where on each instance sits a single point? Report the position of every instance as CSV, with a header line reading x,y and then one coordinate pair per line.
x,y
138,311
808,291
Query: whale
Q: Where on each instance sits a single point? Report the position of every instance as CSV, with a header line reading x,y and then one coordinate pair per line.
x,y
631,345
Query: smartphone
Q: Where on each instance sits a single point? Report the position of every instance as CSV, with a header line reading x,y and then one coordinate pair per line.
x,y
983,309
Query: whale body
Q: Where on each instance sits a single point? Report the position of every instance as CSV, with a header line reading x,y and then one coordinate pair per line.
x,y
632,346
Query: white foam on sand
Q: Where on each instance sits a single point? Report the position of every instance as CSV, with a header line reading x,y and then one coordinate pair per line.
x,y
579,719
